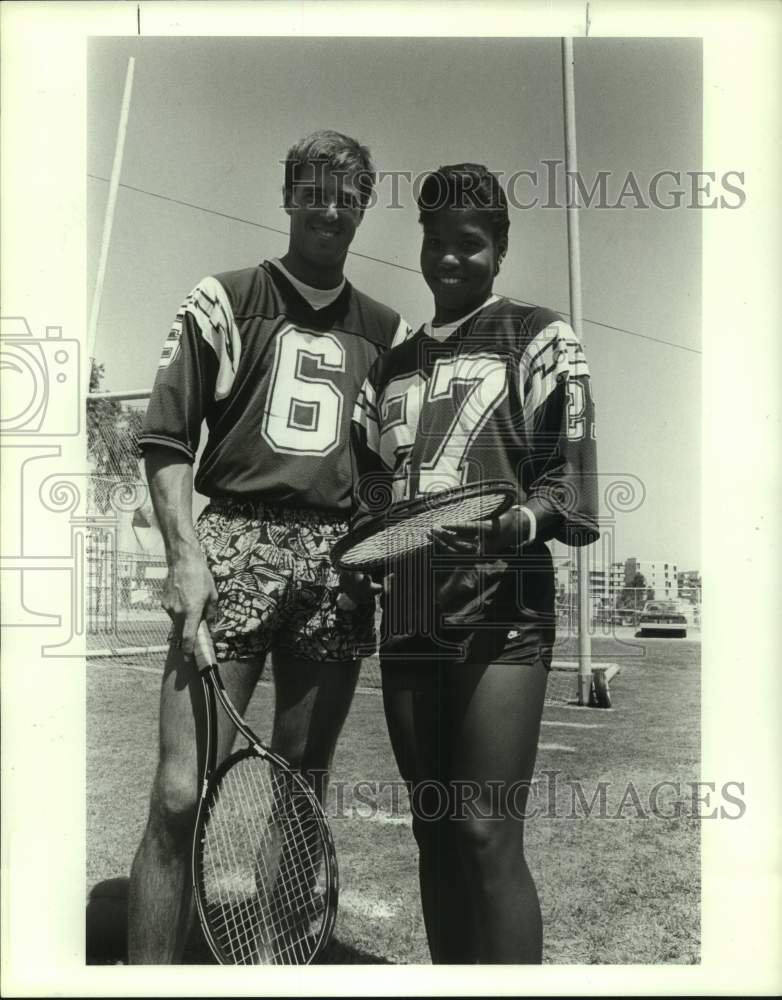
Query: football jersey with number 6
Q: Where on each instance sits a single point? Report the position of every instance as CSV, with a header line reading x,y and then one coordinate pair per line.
x,y
274,379
506,396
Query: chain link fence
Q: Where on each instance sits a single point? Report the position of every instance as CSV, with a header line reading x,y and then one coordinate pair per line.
x,y
627,611
125,558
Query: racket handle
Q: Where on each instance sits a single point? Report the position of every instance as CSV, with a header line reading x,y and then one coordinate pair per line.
x,y
203,649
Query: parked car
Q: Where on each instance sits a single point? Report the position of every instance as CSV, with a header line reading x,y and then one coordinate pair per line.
x,y
662,618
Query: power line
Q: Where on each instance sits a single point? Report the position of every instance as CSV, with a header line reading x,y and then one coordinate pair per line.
x,y
388,263
617,329
249,222
199,208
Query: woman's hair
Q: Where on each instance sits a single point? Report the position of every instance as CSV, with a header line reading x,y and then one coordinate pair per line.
x,y
338,153
467,185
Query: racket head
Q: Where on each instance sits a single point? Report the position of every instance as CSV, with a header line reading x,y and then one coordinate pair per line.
x,y
406,527
264,865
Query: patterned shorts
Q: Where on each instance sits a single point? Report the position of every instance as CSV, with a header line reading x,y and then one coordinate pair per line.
x,y
276,586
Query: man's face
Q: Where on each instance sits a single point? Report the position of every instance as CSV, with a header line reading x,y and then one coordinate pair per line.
x,y
325,211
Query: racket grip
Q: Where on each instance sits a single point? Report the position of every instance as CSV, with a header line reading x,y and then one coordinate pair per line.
x,y
203,649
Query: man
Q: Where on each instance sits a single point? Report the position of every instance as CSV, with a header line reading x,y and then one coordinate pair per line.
x,y
272,358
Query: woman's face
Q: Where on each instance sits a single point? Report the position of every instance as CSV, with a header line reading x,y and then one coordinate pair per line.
x,y
459,260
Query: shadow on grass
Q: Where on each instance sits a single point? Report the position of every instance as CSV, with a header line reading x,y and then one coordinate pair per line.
x,y
106,933
339,953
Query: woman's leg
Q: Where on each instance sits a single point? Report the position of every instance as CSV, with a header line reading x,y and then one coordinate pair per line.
x,y
413,705
493,719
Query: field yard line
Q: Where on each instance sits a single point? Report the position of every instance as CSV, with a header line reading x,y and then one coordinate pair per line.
x,y
572,725
582,708
128,666
387,818
563,748
107,664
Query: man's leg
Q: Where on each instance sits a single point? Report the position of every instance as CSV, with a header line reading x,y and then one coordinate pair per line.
x,y
160,900
311,704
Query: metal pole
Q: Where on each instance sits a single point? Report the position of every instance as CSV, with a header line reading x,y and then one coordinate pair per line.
x,y
574,266
108,220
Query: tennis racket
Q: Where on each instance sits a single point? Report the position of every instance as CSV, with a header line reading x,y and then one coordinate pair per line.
x,y
406,527
264,866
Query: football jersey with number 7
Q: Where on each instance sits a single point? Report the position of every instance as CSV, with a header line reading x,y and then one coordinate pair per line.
x,y
506,396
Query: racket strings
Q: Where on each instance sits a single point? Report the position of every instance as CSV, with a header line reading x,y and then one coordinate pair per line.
x,y
261,850
280,882
261,929
400,537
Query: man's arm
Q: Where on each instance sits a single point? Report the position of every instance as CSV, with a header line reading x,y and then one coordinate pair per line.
x,y
189,594
366,468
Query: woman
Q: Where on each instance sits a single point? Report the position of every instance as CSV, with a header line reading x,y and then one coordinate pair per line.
x,y
488,390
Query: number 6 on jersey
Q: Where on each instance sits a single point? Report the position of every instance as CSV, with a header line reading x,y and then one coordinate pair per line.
x,y
303,413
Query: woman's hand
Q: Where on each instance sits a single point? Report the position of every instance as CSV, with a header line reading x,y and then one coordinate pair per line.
x,y
357,588
503,535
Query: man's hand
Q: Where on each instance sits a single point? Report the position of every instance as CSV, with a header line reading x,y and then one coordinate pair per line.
x,y
502,535
189,595
357,588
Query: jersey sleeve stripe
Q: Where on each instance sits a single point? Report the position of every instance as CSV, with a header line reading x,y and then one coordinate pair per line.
x,y
161,440
551,338
365,416
210,307
554,354
574,367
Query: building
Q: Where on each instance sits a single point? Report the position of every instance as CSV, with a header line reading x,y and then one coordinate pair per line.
x,y
662,583
616,582
567,582
606,583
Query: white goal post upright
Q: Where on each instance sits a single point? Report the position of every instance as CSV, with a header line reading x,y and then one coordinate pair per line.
x,y
108,220
574,269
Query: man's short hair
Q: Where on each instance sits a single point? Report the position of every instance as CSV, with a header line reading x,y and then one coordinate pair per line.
x,y
467,185
338,153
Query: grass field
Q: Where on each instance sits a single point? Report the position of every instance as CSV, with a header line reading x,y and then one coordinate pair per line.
x,y
622,886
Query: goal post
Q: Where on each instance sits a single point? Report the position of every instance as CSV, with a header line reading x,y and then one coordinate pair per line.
x,y
565,685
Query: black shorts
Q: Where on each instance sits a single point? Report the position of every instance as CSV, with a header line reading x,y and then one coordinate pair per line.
x,y
488,611
526,644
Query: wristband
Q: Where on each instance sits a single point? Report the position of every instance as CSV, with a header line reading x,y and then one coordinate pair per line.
x,y
533,523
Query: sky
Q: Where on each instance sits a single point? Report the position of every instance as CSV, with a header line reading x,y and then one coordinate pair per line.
x,y
209,125
210,122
